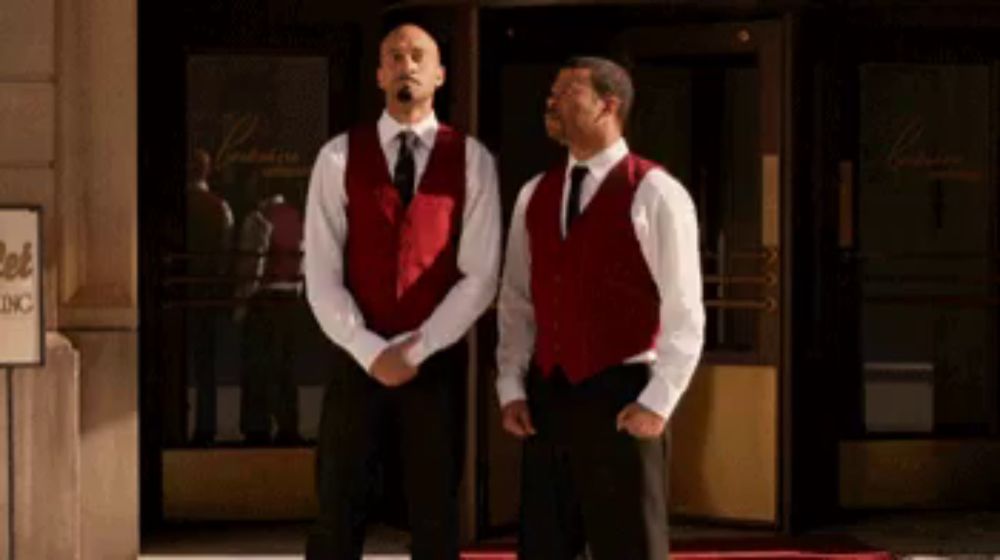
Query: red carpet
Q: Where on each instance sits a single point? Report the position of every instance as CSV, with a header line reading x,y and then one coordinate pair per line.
x,y
764,548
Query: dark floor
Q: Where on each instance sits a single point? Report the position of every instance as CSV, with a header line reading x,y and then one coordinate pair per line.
x,y
964,536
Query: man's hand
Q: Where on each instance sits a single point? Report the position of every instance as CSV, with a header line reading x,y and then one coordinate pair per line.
x,y
640,422
390,368
517,419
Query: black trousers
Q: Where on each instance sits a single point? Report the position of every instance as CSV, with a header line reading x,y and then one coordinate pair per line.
x,y
271,335
426,420
583,482
204,330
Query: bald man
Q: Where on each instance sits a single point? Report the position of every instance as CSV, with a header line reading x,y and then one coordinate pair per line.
x,y
402,244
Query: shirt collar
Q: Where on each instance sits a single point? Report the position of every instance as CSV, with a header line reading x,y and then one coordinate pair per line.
x,y
273,199
389,128
601,163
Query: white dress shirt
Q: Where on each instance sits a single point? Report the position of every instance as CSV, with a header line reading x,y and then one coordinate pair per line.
x,y
666,227
326,232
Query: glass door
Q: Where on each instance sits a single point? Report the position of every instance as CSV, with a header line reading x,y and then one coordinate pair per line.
x,y
708,107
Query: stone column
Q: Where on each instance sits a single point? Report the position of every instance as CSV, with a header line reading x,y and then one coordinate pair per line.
x,y
96,186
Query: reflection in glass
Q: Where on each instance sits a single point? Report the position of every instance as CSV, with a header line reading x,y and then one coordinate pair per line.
x,y
701,122
928,318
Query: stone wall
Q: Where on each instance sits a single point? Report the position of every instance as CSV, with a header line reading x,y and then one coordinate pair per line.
x,y
68,137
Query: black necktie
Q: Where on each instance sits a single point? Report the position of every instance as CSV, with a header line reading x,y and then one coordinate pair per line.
x,y
405,174
576,177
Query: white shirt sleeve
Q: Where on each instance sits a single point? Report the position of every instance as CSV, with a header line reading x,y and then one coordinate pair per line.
x,y
253,245
666,225
478,258
516,312
325,233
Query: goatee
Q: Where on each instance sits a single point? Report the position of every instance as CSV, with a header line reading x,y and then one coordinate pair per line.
x,y
404,95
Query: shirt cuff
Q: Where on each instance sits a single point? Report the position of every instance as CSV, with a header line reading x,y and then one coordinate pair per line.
x,y
658,397
419,352
365,347
510,388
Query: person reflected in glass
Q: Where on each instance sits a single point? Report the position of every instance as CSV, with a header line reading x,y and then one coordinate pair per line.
x,y
208,241
269,308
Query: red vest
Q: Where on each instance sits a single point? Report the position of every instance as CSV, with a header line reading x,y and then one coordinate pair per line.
x,y
596,303
402,263
283,258
208,230
207,223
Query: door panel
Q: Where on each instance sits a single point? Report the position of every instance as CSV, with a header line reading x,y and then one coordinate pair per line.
x,y
239,484
724,436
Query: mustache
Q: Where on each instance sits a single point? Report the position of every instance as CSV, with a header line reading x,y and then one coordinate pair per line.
x,y
407,79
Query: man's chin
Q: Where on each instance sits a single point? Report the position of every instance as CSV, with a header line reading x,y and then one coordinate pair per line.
x,y
404,95
415,96
555,133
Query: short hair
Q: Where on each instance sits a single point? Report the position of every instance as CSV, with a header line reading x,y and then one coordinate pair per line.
x,y
608,78
199,163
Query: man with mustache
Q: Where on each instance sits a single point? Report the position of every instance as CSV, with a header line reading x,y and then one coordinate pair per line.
x,y
402,243
601,327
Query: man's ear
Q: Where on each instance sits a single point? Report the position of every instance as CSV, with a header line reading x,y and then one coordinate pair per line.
x,y
611,105
439,81
382,84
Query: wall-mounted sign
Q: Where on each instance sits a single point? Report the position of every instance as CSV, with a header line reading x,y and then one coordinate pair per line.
x,y
22,330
